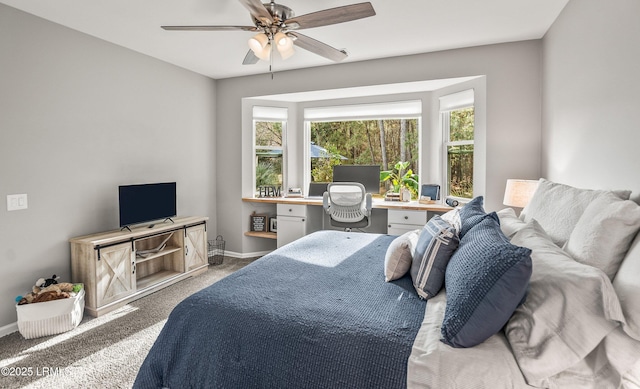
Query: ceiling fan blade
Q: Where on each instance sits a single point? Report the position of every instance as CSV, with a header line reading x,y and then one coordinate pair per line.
x,y
317,47
258,11
250,58
209,28
331,16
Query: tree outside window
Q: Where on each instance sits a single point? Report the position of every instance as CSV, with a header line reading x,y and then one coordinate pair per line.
x,y
459,125
363,142
268,153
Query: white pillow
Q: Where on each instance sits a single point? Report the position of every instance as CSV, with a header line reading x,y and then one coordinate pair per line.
x,y
604,232
509,222
570,308
558,207
453,218
615,363
399,256
627,286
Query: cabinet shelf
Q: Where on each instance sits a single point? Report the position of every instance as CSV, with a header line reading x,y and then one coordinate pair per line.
x,y
163,252
156,278
267,235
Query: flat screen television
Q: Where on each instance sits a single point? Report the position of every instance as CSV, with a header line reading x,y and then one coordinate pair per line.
x,y
146,202
367,175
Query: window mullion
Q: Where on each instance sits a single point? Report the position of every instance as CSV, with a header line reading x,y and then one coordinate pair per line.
x,y
460,143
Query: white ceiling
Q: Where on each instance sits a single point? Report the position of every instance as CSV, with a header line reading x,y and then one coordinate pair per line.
x,y
400,27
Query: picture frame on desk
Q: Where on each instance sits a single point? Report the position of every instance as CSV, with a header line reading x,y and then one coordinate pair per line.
x,y
258,223
273,224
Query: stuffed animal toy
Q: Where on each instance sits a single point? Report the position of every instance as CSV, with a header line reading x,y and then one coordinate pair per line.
x,y
50,296
48,290
58,288
43,283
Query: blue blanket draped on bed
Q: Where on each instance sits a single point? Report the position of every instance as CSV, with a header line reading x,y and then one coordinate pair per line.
x,y
316,313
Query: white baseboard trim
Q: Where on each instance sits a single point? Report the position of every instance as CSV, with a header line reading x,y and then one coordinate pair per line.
x,y
245,255
8,329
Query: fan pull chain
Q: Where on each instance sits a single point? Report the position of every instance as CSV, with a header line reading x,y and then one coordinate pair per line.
x,y
271,56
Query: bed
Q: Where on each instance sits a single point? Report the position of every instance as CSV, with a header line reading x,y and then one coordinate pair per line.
x,y
317,313
309,315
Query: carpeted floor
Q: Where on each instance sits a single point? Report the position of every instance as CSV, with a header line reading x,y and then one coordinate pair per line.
x,y
104,352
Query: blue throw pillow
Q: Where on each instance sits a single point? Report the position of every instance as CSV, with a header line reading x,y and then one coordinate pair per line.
x,y
471,214
437,242
486,279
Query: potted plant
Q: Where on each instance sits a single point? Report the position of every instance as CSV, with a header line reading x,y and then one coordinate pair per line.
x,y
401,177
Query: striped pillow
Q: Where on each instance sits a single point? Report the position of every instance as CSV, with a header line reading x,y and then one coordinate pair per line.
x,y
437,242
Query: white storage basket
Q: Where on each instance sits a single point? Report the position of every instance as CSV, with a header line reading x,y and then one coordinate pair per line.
x,y
50,317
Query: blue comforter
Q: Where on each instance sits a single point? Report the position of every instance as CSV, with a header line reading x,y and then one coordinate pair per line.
x,y
316,313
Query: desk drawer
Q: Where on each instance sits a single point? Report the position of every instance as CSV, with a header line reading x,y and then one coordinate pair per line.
x,y
399,216
299,210
399,229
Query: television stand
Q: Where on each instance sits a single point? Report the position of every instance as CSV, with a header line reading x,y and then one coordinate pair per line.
x,y
118,267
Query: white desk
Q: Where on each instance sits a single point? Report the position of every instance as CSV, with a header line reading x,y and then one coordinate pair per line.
x,y
377,203
400,216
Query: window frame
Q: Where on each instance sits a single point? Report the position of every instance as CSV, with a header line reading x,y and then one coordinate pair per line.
x,y
455,102
271,115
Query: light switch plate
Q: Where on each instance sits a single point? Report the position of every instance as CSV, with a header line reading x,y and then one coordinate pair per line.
x,y
17,202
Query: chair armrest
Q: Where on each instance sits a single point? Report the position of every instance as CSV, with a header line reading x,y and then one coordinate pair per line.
x,y
368,204
325,202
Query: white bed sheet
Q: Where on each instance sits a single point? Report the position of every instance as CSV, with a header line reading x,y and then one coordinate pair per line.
x,y
433,364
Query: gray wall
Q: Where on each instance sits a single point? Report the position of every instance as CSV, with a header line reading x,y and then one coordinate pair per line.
x,y
78,117
591,131
513,114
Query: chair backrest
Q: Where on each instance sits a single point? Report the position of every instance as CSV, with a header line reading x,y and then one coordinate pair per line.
x,y
347,201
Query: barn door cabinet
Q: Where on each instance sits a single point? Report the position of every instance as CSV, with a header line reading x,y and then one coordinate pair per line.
x,y
118,267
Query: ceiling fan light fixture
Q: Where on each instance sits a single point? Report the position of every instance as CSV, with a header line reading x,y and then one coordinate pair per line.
x,y
282,40
284,43
264,53
286,52
258,42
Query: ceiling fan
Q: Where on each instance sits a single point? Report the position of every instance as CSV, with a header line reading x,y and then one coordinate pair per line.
x,y
276,26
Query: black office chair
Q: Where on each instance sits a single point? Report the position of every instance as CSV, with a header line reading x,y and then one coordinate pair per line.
x,y
348,205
